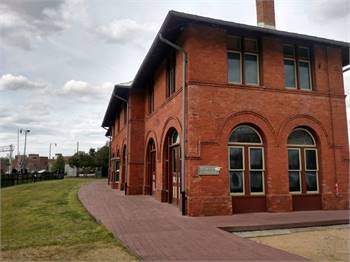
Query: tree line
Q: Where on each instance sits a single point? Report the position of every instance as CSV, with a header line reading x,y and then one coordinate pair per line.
x,y
85,162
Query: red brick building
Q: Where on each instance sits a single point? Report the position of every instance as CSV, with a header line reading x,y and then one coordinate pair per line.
x,y
263,113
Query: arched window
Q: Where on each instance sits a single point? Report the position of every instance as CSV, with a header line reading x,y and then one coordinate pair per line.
x,y
302,162
172,162
151,168
246,161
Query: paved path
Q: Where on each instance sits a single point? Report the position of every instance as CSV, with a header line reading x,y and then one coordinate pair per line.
x,y
157,231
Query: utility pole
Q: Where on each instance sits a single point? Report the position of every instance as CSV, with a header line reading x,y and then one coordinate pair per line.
x,y
26,131
17,141
50,149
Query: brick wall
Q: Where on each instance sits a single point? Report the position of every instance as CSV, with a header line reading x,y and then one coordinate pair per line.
x,y
216,107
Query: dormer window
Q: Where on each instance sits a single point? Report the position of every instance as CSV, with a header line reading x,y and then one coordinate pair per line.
x,y
243,60
297,69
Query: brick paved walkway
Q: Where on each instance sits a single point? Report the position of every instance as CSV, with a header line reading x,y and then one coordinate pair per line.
x,y
157,231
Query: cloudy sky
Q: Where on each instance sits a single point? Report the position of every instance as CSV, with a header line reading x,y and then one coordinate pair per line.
x,y
60,58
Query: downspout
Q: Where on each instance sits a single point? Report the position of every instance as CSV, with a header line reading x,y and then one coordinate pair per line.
x,y
332,125
109,155
183,138
127,141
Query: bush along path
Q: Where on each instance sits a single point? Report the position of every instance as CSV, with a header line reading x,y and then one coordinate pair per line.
x,y
46,221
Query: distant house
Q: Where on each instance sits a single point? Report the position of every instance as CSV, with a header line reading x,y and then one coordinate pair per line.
x,y
34,162
225,118
68,170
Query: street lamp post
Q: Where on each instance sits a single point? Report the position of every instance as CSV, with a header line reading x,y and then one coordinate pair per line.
x,y
50,149
25,131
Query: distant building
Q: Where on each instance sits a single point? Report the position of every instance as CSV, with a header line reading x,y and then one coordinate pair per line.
x,y
34,162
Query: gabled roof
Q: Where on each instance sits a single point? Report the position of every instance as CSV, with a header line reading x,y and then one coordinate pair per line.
x,y
175,22
121,90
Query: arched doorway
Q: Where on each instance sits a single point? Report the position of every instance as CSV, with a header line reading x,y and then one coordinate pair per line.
x,y
122,178
172,163
303,170
246,170
150,181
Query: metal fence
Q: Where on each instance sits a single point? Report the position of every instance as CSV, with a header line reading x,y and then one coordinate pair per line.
x,y
18,178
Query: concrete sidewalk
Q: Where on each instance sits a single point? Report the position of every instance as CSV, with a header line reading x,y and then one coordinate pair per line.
x,y
157,231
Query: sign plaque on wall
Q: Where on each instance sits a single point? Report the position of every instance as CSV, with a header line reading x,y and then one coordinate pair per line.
x,y
208,170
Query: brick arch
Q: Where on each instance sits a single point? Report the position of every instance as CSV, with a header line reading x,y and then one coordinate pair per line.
x,y
171,122
151,134
253,119
306,121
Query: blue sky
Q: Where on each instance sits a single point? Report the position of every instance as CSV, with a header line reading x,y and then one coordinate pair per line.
x,y
60,58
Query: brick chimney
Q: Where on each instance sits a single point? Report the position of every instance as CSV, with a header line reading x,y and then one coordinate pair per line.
x,y
265,12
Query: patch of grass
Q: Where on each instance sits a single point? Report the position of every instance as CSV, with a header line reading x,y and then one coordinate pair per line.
x,y
49,216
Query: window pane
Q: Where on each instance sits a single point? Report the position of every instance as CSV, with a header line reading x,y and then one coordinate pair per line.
x,y
251,45
236,182
256,158
236,158
311,181
256,181
303,53
289,73
244,134
234,67
234,42
288,51
294,182
300,137
251,69
117,170
304,75
175,138
174,160
310,160
293,159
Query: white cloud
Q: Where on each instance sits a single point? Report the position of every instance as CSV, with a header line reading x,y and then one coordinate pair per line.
x,y
125,31
23,22
83,89
19,82
327,10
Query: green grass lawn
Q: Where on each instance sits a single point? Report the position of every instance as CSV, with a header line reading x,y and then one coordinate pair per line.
x,y
46,221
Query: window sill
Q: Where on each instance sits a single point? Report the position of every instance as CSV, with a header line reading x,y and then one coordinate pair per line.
x,y
247,196
244,85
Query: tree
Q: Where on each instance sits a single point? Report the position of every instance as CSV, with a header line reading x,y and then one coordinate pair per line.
x,y
58,165
102,159
82,160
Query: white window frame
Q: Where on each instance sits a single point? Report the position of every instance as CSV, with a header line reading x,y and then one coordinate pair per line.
x,y
240,67
307,131
233,170
294,170
312,170
244,143
257,68
261,170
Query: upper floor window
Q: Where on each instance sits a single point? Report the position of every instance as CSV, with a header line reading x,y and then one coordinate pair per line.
x,y
151,97
170,77
243,60
297,69
125,114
